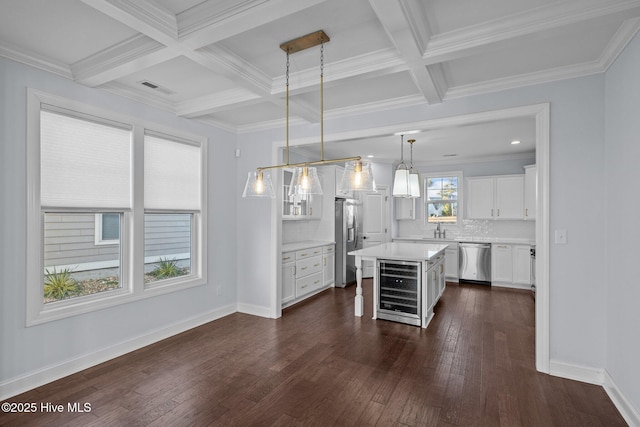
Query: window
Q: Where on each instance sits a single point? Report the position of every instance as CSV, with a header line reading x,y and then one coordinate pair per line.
x,y
443,197
117,211
107,228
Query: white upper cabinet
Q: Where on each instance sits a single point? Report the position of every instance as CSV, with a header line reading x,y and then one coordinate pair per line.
x,y
302,206
530,191
404,208
495,197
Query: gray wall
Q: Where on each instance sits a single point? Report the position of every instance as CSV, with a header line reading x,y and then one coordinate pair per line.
x,y
54,345
620,223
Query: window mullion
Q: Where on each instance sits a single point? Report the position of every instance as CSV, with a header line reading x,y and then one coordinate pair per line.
x,y
136,242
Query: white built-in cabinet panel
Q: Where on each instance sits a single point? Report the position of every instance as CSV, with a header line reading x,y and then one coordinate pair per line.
x,y
530,191
510,197
451,262
511,265
307,271
404,208
495,197
480,200
501,264
521,264
329,265
288,276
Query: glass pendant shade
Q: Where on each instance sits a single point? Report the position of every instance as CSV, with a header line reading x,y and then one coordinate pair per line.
x,y
401,182
414,183
305,181
357,176
259,185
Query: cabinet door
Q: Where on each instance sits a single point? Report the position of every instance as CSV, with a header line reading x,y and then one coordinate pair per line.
x,y
288,281
328,269
522,265
501,263
509,197
530,191
480,199
315,206
451,263
405,208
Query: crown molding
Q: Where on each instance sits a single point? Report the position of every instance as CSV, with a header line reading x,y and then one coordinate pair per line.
x,y
35,60
216,57
623,36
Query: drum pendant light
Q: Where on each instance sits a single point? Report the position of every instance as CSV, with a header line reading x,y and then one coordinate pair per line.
x,y
401,178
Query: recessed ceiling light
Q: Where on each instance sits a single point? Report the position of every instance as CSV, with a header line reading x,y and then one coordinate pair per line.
x,y
516,142
370,156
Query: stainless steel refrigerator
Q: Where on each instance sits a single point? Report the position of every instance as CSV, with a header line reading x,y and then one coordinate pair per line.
x,y
348,216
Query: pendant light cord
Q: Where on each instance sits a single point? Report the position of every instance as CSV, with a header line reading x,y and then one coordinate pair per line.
x,y
321,101
287,108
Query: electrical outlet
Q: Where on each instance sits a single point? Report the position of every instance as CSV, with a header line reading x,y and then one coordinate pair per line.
x,y
561,237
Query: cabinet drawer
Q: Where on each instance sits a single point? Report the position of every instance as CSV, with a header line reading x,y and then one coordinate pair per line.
x,y
329,249
288,257
308,266
306,253
308,284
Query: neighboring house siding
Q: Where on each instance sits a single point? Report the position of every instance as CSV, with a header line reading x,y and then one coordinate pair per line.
x,y
71,241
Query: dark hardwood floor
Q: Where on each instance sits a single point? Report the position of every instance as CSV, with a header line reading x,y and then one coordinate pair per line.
x,y
319,365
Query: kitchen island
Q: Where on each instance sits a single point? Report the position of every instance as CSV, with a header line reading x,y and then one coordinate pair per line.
x,y
430,265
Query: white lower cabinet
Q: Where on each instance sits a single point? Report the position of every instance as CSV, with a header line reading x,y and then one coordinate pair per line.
x,y
511,265
306,271
329,265
288,277
451,262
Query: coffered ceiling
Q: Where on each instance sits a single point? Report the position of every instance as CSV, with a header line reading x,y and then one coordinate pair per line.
x,y
219,61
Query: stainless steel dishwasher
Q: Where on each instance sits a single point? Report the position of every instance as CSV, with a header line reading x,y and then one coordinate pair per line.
x,y
474,262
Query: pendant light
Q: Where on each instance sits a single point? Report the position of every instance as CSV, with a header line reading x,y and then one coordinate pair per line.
x,y
401,178
414,176
305,176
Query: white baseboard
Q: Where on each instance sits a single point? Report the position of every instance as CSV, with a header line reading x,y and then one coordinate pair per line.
x,y
255,310
23,383
511,285
569,371
628,412
602,378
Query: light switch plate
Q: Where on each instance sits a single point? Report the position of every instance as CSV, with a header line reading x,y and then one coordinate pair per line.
x,y
561,237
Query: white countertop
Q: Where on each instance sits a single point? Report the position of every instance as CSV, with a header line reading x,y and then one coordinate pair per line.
x,y
401,251
296,246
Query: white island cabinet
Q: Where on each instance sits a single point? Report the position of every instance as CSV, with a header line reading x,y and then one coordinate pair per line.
x,y
429,260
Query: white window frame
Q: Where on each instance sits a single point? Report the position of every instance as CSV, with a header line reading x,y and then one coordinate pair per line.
x,y
98,238
459,201
131,227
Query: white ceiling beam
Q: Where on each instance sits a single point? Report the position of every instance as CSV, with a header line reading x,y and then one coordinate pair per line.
x,y
407,27
474,39
213,21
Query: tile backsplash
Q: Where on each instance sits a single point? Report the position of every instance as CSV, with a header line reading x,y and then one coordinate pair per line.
x,y
471,228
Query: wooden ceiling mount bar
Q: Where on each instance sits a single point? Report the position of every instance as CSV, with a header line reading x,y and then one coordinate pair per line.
x,y
305,42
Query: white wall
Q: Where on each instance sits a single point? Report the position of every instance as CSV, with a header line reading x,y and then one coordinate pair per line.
x,y
35,353
577,317
621,222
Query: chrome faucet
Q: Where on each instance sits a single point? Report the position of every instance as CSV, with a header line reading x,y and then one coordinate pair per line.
x,y
437,233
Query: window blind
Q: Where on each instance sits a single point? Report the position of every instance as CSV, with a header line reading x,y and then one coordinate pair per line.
x,y
83,164
171,174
